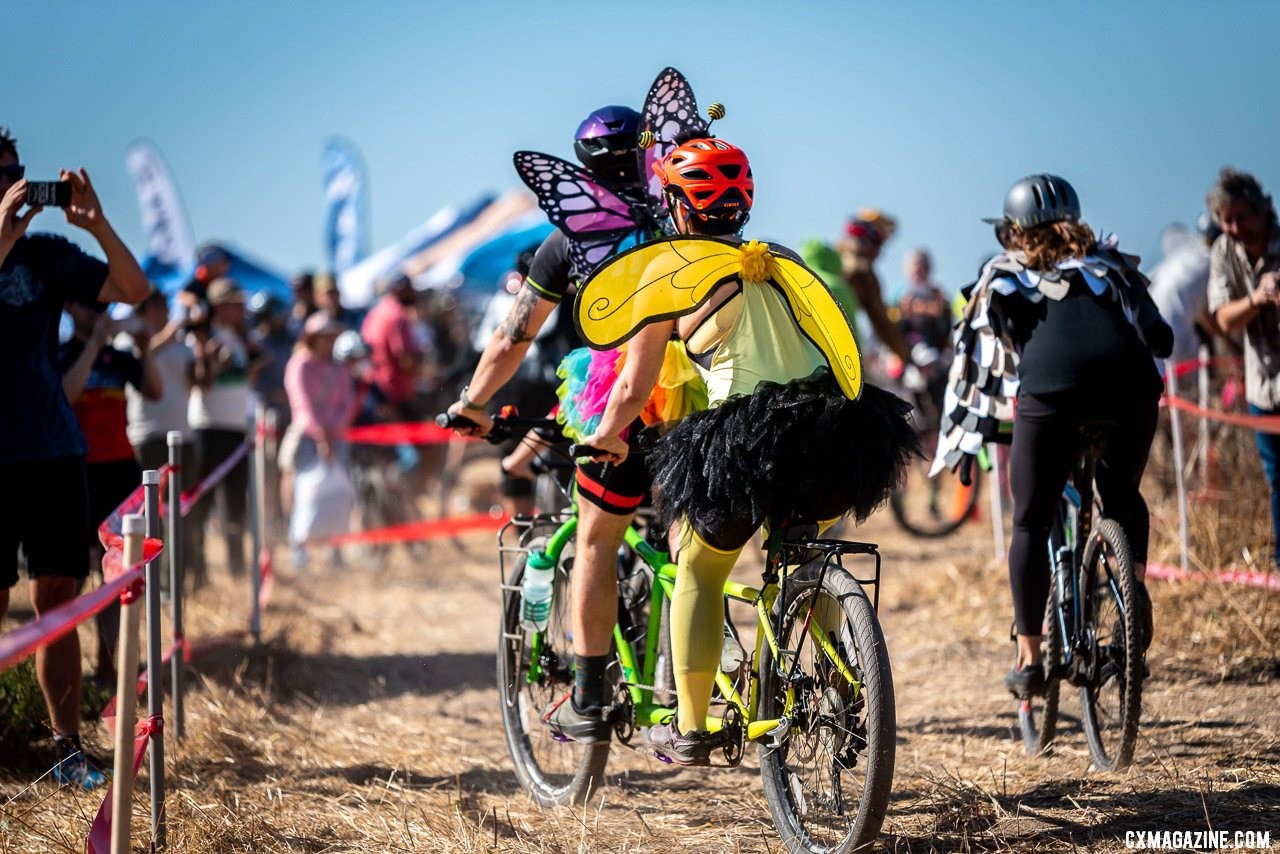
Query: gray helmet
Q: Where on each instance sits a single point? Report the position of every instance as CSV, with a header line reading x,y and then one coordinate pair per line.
x,y
1039,199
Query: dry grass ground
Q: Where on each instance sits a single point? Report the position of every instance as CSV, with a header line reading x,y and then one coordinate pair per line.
x,y
367,722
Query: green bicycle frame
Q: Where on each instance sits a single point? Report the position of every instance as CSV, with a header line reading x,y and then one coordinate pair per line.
x,y
639,680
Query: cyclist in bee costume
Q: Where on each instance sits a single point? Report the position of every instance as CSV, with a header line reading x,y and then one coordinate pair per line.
x,y
792,432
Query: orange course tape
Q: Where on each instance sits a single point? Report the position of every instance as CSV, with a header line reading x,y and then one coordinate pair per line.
x,y
409,433
426,530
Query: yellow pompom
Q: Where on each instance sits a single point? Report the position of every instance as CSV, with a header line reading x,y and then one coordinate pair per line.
x,y
647,139
715,112
756,261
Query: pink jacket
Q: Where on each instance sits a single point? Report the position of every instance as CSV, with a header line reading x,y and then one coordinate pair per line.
x,y
322,395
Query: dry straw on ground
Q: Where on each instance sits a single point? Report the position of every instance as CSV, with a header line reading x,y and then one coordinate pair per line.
x,y
368,722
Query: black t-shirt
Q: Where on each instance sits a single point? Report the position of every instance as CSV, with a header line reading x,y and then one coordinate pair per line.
x,y
39,274
1081,340
551,273
551,277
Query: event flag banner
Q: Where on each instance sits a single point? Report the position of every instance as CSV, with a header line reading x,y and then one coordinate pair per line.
x,y
170,245
346,208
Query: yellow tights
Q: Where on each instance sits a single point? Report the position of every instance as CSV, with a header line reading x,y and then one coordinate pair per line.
x,y
697,623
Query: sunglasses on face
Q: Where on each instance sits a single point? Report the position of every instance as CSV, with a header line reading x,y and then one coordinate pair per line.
x,y
13,172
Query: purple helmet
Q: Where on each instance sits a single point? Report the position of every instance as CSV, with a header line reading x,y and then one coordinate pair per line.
x,y
606,142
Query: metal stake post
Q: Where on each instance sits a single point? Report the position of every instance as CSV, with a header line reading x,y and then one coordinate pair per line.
x,y
1175,423
255,522
155,664
997,504
173,545
126,692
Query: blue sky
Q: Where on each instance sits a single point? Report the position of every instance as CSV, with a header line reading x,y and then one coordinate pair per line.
x,y
928,110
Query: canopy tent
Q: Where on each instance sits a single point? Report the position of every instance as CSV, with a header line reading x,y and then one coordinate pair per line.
x,y
357,284
485,266
439,265
250,274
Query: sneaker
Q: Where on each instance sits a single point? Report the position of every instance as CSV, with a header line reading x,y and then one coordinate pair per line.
x,y
74,768
690,748
1026,681
565,721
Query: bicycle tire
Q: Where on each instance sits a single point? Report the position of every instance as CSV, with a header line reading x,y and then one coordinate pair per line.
x,y
554,773
1120,665
1037,738
943,525
852,728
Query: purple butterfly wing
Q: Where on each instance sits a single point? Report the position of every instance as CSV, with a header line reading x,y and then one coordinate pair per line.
x,y
670,110
596,220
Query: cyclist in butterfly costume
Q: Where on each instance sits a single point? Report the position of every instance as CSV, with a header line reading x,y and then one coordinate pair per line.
x,y
1063,323
792,432
597,210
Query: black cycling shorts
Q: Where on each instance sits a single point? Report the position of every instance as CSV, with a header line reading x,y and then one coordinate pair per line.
x,y
44,507
618,489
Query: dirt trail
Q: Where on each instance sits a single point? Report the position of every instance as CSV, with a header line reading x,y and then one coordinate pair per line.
x,y
368,722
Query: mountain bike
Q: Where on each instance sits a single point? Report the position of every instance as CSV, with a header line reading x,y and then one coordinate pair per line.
x,y
1091,627
815,693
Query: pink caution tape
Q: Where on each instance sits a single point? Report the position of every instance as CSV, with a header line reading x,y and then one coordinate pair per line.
x,y
56,623
1247,578
100,831
1260,423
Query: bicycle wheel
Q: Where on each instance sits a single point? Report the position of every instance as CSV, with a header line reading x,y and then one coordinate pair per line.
x,y
1111,703
827,781
554,772
1038,717
933,507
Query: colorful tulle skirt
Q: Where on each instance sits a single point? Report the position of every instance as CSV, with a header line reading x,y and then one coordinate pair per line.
x,y
589,376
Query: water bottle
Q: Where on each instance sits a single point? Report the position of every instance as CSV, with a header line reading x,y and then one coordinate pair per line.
x,y
535,592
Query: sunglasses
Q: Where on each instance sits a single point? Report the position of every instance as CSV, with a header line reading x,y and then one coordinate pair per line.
x,y
13,171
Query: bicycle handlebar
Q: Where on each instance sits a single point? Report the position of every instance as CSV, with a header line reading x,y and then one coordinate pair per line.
x,y
504,426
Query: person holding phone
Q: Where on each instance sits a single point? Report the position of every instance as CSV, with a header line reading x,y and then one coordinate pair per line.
x,y
43,451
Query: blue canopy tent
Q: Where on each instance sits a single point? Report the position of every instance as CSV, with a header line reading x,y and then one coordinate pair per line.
x,y
483,269
248,273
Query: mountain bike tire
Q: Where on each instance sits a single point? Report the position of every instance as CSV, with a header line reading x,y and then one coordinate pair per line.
x,y
554,773
1038,716
1111,705
837,731
920,522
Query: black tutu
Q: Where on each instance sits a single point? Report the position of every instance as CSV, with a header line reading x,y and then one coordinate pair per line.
x,y
801,451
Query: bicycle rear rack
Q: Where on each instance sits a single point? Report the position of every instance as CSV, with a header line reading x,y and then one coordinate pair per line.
x,y
797,552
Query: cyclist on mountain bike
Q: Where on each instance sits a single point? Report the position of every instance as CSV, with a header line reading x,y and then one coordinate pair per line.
x,y
605,143
1072,316
787,436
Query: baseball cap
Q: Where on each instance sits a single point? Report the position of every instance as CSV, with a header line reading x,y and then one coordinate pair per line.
x,y
223,291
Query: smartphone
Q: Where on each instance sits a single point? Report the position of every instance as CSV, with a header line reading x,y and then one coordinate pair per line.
x,y
49,194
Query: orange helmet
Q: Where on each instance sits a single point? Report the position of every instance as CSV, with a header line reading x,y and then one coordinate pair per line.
x,y
711,177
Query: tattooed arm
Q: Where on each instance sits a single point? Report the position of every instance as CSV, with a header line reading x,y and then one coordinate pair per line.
x,y
503,354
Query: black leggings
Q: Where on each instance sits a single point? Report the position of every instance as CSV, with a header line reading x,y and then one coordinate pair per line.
x,y
1046,441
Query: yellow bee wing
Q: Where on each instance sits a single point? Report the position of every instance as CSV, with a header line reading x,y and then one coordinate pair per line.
x,y
661,280
822,321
